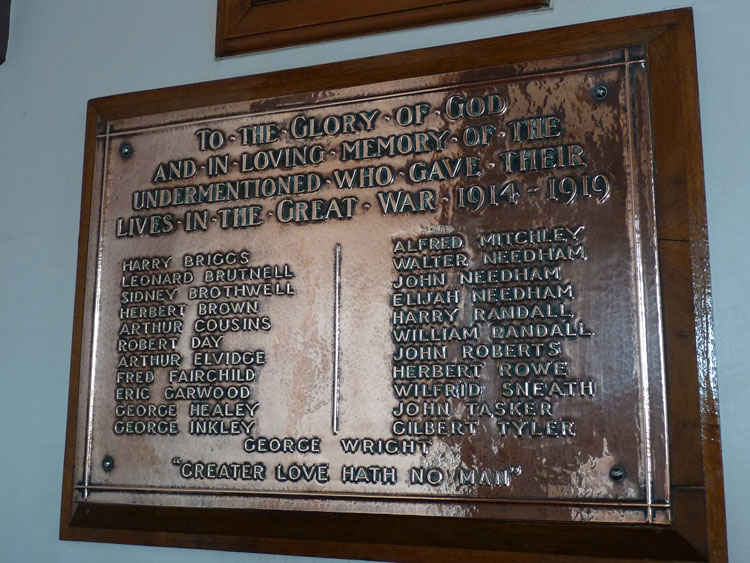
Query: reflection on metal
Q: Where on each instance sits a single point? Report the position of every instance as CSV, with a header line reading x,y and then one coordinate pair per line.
x,y
93,317
108,464
499,307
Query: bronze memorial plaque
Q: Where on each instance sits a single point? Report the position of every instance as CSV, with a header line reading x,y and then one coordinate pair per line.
x,y
433,296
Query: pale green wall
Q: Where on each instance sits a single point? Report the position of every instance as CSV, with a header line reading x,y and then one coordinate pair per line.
x,y
63,52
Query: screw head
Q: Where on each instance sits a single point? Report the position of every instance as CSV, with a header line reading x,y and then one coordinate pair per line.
x,y
617,473
600,92
108,464
126,150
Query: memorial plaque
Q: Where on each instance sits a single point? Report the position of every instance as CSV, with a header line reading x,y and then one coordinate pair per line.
x,y
435,295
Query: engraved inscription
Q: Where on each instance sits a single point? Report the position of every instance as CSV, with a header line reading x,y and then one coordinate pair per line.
x,y
433,294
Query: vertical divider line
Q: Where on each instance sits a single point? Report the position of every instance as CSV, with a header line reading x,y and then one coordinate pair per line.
x,y
336,336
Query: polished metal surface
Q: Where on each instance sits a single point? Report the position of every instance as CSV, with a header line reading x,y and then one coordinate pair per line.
x,y
437,296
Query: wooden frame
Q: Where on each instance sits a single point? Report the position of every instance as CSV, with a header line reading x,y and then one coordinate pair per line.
x,y
697,532
244,26
4,28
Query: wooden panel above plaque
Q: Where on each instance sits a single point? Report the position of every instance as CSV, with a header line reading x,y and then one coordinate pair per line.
x,y
366,312
243,26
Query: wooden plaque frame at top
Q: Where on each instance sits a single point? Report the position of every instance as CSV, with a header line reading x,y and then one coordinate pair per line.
x,y
244,26
697,531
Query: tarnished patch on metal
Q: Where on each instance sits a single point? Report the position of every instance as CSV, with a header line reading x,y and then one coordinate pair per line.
x,y
436,296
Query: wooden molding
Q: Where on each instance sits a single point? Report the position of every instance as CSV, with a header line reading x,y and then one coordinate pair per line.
x,y
244,26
